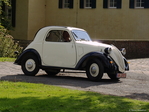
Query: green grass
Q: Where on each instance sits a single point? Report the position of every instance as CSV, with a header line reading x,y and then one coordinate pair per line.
x,y
29,97
4,59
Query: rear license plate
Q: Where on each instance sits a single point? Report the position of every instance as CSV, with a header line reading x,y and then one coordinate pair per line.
x,y
121,75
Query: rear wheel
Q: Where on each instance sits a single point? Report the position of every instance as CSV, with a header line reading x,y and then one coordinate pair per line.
x,y
94,70
30,65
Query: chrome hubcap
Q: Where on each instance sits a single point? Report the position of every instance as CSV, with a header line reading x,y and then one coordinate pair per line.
x,y
30,65
94,70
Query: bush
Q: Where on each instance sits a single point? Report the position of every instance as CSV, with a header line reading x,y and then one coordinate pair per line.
x,y
7,45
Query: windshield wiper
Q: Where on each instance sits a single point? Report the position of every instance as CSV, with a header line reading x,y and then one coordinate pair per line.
x,y
83,39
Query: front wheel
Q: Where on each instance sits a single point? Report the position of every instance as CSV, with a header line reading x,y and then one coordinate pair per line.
x,y
94,70
30,65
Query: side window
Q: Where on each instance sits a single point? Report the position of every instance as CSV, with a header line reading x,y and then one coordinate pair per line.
x,y
58,36
54,36
66,37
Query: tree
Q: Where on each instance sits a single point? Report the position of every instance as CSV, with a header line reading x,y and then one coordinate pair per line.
x,y
2,2
4,20
7,44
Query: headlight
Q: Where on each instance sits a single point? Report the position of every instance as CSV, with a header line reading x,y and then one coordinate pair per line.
x,y
123,51
108,50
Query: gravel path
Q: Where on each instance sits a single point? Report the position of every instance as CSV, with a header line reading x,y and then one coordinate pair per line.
x,y
136,85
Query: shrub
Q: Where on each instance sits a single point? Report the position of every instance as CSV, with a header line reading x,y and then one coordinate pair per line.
x,y
7,45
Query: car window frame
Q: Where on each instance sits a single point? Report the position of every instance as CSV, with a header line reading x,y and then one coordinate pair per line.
x,y
61,36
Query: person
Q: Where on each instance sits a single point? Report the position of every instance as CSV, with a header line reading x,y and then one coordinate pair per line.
x,y
66,36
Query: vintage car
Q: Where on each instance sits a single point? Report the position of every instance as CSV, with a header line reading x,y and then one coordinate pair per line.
x,y
57,47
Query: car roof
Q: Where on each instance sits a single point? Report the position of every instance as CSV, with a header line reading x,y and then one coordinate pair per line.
x,y
62,27
41,32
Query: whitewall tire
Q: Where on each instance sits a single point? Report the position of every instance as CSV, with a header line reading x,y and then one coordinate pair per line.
x,y
94,70
30,65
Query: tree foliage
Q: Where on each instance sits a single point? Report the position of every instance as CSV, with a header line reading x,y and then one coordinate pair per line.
x,y
4,20
6,2
7,45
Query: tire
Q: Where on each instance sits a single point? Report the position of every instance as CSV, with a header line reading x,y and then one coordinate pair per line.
x,y
30,65
52,72
94,70
113,76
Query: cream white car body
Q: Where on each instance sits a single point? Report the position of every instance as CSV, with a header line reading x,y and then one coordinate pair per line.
x,y
69,55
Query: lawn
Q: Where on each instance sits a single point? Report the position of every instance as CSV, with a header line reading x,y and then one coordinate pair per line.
x,y
3,59
29,97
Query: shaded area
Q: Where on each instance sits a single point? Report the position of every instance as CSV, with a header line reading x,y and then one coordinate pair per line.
x,y
139,96
60,80
84,102
79,82
135,86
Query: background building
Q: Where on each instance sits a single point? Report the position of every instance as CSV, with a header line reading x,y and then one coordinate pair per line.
x,y
124,23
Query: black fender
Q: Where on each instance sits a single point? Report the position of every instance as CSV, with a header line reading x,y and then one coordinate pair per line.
x,y
126,64
20,57
98,55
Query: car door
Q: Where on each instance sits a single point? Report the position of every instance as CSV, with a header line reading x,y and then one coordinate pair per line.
x,y
57,51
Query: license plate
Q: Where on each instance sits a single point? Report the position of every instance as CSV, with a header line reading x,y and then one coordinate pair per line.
x,y
121,75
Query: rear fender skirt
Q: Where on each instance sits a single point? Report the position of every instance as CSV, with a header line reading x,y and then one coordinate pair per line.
x,y
20,57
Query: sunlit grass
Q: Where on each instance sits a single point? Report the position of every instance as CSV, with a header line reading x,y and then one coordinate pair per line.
x,y
29,97
4,59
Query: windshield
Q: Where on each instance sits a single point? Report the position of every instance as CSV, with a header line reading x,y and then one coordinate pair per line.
x,y
81,35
